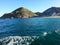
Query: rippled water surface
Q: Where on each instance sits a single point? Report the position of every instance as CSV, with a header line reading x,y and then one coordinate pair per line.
x,y
29,27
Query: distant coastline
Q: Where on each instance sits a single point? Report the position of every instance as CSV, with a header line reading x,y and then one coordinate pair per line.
x,y
53,12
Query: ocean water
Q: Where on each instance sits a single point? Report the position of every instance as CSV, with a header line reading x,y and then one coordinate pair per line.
x,y
30,31
28,27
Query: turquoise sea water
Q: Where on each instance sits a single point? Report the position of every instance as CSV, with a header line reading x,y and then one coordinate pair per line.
x,y
28,27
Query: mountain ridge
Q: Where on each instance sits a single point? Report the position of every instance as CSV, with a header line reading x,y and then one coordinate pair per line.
x,y
52,11
26,13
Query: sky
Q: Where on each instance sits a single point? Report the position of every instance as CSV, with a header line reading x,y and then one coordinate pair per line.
x,y
7,6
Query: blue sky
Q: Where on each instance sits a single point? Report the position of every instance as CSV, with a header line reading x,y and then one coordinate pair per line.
x,y
7,6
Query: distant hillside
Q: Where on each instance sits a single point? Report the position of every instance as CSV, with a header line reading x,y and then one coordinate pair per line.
x,y
19,13
25,13
53,11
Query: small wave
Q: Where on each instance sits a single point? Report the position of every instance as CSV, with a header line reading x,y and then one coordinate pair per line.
x,y
18,40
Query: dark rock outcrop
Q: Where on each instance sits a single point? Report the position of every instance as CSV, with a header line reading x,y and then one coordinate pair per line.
x,y
39,14
8,15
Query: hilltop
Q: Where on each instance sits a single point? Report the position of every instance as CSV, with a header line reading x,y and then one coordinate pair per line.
x,y
19,13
